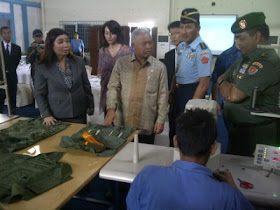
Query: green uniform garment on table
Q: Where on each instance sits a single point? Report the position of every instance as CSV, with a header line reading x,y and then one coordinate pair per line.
x,y
111,137
25,133
24,177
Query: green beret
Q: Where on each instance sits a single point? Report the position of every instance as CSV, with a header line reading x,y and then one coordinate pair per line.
x,y
248,22
189,15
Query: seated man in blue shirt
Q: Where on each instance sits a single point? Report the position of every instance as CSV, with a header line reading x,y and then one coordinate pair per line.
x,y
188,184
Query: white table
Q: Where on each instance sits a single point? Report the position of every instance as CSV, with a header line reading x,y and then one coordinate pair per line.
x,y
121,167
266,191
95,89
24,74
24,90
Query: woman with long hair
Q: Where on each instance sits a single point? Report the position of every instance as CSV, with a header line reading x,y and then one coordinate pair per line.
x,y
112,49
62,88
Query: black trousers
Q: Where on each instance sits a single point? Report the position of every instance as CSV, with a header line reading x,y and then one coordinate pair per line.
x,y
147,139
79,119
77,53
172,125
2,99
184,93
243,138
12,88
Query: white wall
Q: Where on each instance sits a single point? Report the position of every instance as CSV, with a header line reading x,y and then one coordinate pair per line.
x,y
123,11
159,11
34,21
5,7
239,7
19,25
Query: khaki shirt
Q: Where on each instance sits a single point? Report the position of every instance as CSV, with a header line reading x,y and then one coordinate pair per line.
x,y
139,94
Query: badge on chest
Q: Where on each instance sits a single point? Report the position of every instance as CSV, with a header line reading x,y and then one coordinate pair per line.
x,y
190,55
243,68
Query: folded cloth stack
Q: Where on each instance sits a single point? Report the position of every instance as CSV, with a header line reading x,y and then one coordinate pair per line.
x,y
111,138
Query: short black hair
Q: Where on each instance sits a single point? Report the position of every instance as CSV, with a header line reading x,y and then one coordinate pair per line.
x,y
196,131
264,29
175,24
4,27
114,28
76,33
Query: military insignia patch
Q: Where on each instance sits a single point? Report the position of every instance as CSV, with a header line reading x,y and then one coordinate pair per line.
x,y
203,45
180,50
204,60
242,71
258,64
242,24
243,68
252,70
190,56
204,53
239,76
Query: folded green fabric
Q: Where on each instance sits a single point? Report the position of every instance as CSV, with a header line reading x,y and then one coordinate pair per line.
x,y
25,133
23,177
111,137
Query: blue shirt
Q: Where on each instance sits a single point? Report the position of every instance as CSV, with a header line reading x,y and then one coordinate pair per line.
x,y
194,61
77,46
224,61
184,185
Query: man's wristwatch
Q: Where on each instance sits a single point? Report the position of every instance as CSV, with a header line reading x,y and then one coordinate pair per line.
x,y
220,81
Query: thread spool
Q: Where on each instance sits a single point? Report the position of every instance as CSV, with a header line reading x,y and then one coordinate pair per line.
x,y
254,97
136,149
279,99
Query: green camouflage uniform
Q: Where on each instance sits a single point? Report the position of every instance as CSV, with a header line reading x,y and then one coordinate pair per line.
x,y
261,69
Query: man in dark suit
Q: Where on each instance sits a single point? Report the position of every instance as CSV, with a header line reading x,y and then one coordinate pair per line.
x,y
170,60
12,56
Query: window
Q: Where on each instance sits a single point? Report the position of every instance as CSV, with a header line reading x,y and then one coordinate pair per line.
x,y
82,28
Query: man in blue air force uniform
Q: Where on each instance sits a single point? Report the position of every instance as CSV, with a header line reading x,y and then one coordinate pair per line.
x,y
193,65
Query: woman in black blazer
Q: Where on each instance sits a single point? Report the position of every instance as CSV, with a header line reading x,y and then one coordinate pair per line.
x,y
62,88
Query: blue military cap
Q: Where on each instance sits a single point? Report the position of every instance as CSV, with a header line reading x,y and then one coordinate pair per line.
x,y
189,15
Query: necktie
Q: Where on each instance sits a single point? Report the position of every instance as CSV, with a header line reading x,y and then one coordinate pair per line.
x,y
7,49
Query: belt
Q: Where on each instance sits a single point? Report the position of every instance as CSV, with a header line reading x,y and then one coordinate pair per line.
x,y
186,85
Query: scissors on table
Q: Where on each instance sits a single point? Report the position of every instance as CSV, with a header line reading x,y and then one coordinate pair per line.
x,y
245,185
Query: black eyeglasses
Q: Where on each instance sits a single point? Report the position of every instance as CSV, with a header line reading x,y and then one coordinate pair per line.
x,y
39,35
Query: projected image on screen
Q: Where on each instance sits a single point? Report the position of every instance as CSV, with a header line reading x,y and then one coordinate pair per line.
x,y
215,32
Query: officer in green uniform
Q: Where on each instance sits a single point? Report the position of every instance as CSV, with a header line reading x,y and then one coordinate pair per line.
x,y
257,70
